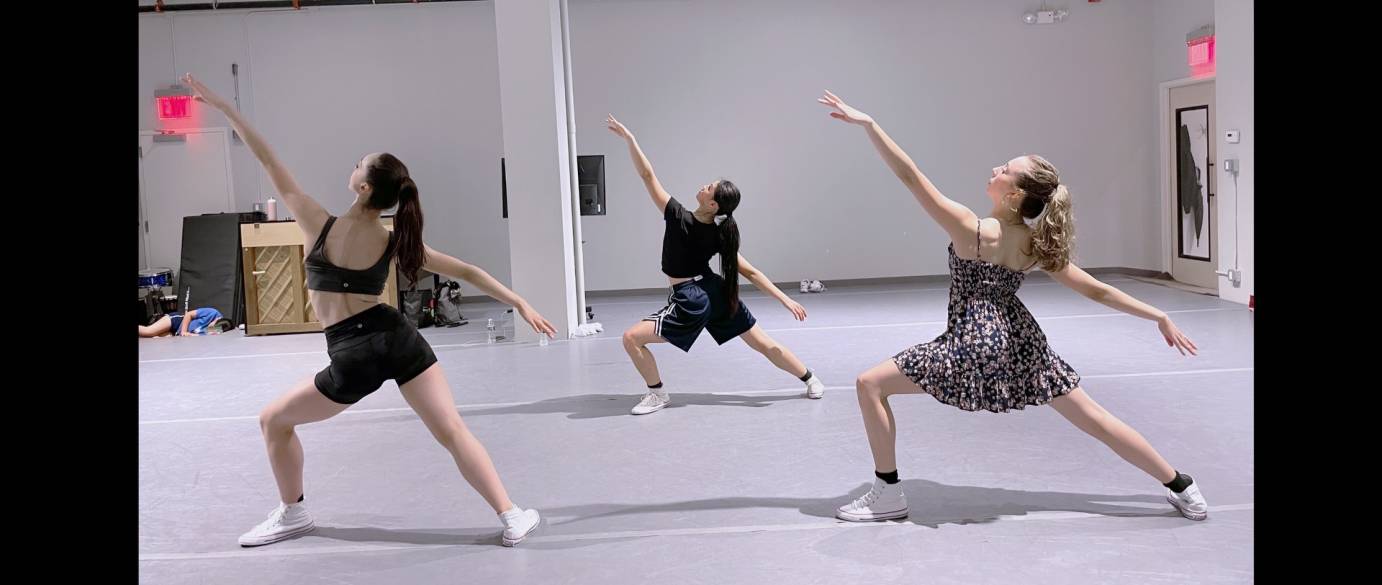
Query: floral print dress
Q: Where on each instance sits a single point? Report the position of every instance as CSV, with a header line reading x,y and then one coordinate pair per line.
x,y
993,356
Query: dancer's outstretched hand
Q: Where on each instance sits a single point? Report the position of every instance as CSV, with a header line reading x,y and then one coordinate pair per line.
x,y
797,310
617,128
843,111
1175,338
539,324
203,94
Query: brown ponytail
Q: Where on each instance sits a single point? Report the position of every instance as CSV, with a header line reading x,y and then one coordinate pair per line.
x,y
1047,201
391,185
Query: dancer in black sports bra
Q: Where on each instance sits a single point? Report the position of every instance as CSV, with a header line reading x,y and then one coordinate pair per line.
x,y
369,342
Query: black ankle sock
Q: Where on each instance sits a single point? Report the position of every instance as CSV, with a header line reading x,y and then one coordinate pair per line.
x,y
806,376
655,386
889,477
1181,482
300,497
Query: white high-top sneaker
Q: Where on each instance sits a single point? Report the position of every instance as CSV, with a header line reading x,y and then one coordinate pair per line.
x,y
518,524
1189,502
652,402
285,521
815,388
883,502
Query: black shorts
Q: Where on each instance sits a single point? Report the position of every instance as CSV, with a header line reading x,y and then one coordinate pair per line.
x,y
700,304
368,348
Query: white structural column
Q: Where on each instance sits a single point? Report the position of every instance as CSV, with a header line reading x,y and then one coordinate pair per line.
x,y
538,160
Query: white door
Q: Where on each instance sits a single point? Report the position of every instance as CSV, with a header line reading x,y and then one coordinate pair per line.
x,y
1194,185
181,179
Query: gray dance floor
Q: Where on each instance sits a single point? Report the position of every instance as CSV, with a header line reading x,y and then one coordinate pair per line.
x,y
736,481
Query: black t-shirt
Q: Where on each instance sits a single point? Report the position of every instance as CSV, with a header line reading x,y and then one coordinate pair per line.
x,y
687,244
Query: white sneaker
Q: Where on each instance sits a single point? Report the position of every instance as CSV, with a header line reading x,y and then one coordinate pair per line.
x,y
883,502
1189,502
285,521
652,402
805,285
815,286
518,524
815,388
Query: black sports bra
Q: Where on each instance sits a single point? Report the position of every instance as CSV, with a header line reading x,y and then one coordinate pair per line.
x,y
324,276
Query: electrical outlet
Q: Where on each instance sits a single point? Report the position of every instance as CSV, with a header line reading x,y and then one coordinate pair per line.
x,y
1231,165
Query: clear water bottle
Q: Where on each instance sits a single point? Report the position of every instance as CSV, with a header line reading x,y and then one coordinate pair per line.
x,y
489,330
541,339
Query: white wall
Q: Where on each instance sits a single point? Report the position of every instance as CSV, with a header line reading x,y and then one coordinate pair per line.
x,y
206,45
718,88
1171,21
712,88
328,85
1234,40
1233,98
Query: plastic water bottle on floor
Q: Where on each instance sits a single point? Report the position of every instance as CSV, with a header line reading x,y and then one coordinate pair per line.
x,y
489,330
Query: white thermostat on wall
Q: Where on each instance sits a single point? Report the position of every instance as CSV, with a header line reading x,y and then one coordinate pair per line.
x,y
1231,136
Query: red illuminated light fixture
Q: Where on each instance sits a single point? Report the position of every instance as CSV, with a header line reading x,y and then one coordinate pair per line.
x,y
1200,51
174,103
